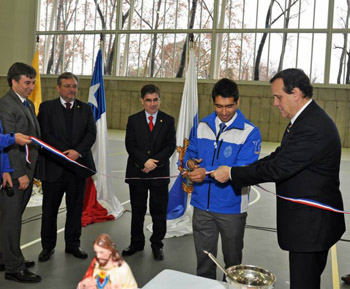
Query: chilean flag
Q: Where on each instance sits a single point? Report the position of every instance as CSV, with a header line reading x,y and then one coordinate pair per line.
x,y
100,203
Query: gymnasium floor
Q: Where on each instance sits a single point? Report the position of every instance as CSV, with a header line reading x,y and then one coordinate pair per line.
x,y
261,248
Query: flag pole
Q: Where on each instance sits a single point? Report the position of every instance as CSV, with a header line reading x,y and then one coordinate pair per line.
x,y
102,50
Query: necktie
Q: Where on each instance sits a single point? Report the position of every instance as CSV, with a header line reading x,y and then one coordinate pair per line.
x,y
289,127
25,103
222,127
68,105
150,122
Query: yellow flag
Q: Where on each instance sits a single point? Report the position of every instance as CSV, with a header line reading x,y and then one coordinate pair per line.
x,y
35,96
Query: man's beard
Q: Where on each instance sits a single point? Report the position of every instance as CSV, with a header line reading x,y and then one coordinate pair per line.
x,y
103,262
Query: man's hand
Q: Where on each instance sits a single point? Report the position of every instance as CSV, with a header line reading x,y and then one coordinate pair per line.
x,y
6,178
145,170
23,182
198,175
150,164
88,283
193,164
73,154
22,139
221,174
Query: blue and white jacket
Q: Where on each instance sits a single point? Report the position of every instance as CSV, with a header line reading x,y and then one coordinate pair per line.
x,y
238,145
5,141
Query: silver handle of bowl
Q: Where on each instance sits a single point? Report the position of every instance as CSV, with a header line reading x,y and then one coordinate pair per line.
x,y
216,261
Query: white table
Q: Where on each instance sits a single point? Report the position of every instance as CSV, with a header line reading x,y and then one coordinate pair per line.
x,y
170,279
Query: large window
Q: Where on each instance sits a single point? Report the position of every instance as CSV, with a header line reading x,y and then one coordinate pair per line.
x,y
240,39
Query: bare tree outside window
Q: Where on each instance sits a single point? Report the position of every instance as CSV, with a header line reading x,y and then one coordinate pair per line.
x,y
240,39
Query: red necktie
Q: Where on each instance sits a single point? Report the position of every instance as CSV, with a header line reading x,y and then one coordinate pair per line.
x,y
68,104
150,122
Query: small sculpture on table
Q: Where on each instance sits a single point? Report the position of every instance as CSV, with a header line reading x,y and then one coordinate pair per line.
x,y
107,270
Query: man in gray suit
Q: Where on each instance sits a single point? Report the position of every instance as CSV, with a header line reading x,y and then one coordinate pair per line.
x,y
17,115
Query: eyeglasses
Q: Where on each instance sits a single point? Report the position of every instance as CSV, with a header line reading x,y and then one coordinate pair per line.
x,y
148,100
70,86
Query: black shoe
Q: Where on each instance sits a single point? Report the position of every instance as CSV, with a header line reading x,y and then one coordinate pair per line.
x,y
24,276
131,250
28,264
346,279
77,252
45,255
158,254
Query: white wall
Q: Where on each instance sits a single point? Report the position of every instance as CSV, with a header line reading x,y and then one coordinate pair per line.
x,y
17,32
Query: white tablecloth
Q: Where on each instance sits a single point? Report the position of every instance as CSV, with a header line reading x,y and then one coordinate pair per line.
x,y
170,279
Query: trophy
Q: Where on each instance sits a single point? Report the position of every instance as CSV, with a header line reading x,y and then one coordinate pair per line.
x,y
187,184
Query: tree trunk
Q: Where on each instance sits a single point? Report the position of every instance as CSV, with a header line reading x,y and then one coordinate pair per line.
x,y
154,45
54,41
262,42
285,34
189,37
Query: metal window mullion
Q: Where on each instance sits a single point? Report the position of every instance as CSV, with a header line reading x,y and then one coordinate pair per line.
x,y
298,37
329,41
312,40
227,52
118,22
229,15
162,49
174,54
268,56
47,12
213,43
138,59
240,58
176,9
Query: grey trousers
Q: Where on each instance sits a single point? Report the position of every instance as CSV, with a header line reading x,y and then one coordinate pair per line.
x,y
11,210
206,229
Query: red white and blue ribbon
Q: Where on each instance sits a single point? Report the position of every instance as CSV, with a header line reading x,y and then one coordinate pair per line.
x,y
307,202
62,155
27,154
56,152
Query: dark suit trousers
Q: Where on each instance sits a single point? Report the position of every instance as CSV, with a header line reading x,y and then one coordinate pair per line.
x,y
158,208
11,210
306,268
74,188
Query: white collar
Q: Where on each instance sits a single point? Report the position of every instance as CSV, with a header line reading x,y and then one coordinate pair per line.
x,y
300,111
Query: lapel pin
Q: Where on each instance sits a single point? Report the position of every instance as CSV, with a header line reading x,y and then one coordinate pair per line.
x,y
161,120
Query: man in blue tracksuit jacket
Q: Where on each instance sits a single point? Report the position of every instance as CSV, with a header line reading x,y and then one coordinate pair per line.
x,y
224,137
5,141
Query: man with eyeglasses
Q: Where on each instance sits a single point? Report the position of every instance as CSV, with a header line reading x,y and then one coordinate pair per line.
x,y
225,137
68,125
150,141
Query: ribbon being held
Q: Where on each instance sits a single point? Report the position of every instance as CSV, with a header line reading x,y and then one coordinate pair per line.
x,y
306,202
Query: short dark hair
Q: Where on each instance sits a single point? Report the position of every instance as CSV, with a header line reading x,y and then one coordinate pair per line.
x,y
17,70
149,89
294,77
226,88
66,75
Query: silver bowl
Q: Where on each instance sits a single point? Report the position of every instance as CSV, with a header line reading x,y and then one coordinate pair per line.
x,y
249,277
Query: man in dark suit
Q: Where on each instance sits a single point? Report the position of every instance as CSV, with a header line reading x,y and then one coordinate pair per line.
x,y
17,115
68,125
306,165
150,141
